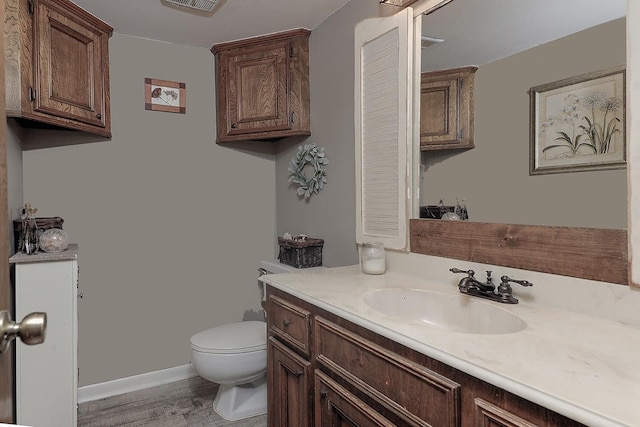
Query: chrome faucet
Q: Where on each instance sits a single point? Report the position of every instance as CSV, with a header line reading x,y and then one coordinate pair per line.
x,y
503,293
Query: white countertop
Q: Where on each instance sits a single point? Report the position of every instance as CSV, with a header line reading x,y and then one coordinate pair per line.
x,y
583,367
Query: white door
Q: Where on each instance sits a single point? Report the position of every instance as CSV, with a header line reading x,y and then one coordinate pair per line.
x,y
7,376
34,323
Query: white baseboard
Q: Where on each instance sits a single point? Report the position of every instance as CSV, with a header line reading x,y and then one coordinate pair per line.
x,y
137,382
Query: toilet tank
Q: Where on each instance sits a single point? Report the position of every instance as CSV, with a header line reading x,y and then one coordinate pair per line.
x,y
274,267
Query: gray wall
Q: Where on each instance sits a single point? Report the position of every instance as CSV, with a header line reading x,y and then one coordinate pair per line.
x,y
329,215
160,209
494,178
171,226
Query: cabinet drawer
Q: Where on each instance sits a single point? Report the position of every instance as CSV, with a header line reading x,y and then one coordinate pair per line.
x,y
410,392
291,324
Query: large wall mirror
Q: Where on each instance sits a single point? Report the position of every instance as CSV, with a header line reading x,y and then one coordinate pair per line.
x,y
517,45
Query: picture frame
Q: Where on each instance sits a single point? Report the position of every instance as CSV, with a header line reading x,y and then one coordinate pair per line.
x,y
165,95
578,123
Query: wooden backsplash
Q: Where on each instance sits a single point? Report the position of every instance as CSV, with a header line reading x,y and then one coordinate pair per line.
x,y
587,253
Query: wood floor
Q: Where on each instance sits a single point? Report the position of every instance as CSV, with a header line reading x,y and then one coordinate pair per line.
x,y
181,403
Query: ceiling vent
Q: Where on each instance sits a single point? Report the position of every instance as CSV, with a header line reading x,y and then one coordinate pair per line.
x,y
206,5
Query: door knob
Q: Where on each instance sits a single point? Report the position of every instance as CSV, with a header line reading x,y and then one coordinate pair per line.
x,y
31,330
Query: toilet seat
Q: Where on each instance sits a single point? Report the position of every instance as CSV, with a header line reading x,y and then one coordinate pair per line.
x,y
239,337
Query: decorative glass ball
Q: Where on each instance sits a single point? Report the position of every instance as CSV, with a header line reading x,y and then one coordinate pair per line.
x,y
54,240
451,216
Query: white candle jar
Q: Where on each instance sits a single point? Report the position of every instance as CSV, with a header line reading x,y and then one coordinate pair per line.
x,y
372,258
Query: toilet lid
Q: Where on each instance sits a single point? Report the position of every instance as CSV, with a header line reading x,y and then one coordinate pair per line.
x,y
239,337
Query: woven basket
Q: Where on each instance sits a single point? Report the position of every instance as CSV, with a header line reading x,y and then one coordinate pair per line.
x,y
301,254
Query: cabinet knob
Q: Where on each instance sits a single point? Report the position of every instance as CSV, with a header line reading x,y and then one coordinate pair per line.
x,y
99,116
323,394
286,323
234,125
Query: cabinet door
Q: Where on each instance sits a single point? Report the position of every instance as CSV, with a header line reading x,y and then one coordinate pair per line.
x,y
384,129
258,89
490,415
290,387
335,406
69,65
46,374
439,121
447,109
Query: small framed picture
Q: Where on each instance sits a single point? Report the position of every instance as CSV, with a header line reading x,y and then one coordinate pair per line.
x,y
578,124
164,95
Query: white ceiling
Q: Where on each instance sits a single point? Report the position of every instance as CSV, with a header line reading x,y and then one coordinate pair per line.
x,y
229,20
477,32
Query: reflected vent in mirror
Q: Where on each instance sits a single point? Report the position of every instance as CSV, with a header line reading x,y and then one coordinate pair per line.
x,y
426,41
206,5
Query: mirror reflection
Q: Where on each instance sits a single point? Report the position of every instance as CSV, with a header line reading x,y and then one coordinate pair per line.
x,y
517,45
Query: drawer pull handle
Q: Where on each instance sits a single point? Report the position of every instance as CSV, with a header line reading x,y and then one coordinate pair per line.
x,y
286,323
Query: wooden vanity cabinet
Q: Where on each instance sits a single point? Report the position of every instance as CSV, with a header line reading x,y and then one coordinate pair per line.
x,y
447,109
352,376
262,87
57,66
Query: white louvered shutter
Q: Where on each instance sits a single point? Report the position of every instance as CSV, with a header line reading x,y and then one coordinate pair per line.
x,y
384,130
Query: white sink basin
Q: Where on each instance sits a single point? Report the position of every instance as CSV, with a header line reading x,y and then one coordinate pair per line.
x,y
457,313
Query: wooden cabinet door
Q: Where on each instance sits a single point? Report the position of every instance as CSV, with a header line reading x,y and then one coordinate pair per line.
x,y
439,120
290,387
490,415
69,65
258,89
447,109
335,406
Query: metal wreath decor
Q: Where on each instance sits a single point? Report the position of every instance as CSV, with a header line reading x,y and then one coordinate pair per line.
x,y
308,155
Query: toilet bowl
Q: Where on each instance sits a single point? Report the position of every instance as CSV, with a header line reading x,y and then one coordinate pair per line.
x,y
235,356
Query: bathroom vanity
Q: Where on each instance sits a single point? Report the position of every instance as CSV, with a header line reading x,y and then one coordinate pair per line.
x,y
333,357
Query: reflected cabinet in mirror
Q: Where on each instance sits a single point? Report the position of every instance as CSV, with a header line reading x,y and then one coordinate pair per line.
x,y
572,223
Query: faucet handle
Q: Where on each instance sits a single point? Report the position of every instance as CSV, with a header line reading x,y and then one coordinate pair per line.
x,y
505,291
507,279
469,273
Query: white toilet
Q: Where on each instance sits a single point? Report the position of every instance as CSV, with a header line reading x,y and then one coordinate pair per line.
x,y
235,356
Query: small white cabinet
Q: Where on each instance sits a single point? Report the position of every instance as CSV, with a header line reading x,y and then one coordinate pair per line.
x,y
47,374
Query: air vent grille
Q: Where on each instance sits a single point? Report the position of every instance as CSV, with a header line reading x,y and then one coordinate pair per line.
x,y
206,5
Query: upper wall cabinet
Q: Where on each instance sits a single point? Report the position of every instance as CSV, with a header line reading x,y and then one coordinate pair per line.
x,y
57,65
446,109
262,87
